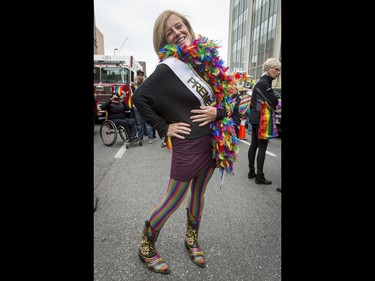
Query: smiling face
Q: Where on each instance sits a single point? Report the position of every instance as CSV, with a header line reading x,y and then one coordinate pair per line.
x,y
176,32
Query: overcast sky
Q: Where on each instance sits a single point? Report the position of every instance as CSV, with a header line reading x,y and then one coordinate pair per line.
x,y
132,22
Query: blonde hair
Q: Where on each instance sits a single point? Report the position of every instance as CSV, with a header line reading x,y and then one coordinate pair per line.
x,y
159,36
271,63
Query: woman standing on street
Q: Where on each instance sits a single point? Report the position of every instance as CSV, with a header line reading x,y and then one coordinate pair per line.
x,y
262,92
186,98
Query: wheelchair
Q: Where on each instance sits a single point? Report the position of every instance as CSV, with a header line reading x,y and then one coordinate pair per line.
x,y
109,133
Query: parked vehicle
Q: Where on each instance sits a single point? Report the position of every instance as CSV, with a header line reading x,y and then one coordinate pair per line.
x,y
113,74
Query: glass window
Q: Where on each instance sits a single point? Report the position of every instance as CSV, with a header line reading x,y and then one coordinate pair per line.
x,y
275,6
115,75
266,10
96,74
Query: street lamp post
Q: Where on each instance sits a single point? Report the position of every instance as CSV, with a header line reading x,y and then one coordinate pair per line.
x,y
123,43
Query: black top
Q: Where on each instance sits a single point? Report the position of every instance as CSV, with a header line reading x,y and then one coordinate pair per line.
x,y
264,85
163,99
116,110
236,116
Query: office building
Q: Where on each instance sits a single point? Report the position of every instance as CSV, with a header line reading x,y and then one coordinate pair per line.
x,y
98,41
254,36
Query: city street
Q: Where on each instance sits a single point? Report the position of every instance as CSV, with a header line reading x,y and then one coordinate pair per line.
x,y
240,229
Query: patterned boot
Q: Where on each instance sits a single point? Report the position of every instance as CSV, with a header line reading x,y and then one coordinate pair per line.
x,y
147,252
191,240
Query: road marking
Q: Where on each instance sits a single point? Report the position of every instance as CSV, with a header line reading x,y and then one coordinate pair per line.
x,y
269,153
121,151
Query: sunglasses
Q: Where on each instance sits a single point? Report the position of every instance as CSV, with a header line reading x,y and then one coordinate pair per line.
x,y
277,69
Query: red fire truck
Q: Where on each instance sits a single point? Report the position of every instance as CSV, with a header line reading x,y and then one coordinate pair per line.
x,y
113,74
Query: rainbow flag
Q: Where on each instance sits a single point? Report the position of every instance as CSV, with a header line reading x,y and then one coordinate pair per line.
x,y
267,125
128,98
119,90
244,108
169,143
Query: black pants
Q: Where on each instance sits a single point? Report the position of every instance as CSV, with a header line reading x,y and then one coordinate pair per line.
x,y
128,124
259,144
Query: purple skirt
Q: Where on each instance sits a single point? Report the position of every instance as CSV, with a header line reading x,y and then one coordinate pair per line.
x,y
190,157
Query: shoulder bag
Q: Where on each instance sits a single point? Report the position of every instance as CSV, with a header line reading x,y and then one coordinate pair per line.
x,y
267,124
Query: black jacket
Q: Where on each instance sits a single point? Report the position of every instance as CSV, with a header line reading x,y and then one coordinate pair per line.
x,y
116,110
264,85
236,116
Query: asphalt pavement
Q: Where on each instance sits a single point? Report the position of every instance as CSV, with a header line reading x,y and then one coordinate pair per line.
x,y
240,229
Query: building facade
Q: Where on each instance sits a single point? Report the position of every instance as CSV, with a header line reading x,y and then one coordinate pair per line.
x,y
99,45
254,36
98,41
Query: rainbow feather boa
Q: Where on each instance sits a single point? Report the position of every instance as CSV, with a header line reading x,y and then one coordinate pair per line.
x,y
203,56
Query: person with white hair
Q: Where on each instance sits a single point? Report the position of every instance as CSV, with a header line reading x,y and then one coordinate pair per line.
x,y
262,92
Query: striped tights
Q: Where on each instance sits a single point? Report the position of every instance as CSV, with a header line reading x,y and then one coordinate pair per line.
x,y
176,193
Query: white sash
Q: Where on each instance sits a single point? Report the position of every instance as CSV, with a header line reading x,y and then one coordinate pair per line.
x,y
191,80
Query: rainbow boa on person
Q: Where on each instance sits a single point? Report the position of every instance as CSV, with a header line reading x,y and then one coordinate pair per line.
x,y
202,56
